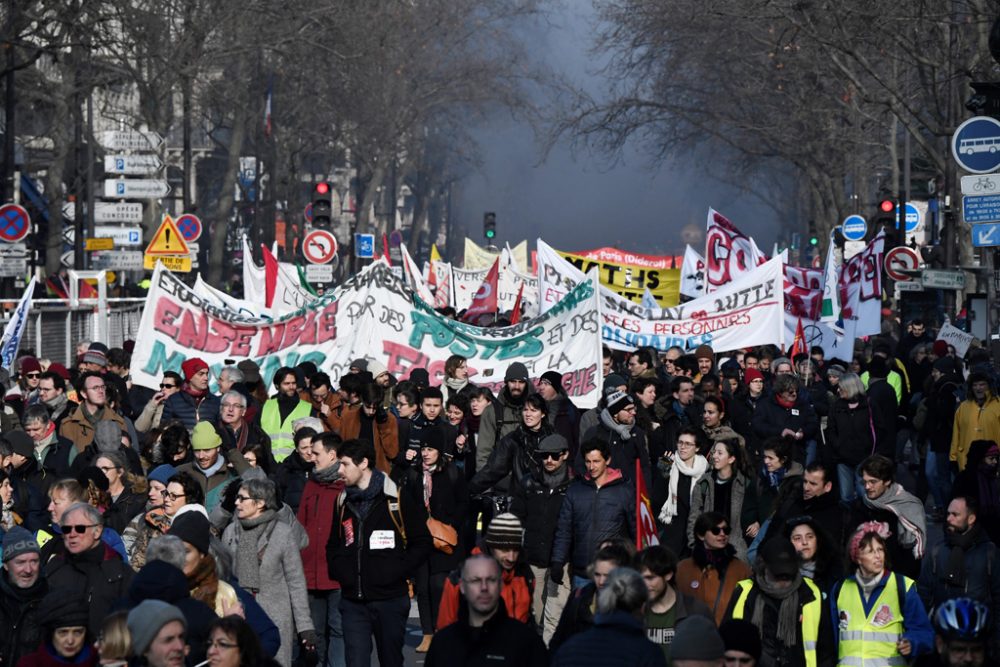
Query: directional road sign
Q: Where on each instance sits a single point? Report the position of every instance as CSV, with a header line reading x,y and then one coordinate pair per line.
x,y
132,165
121,236
136,188
854,228
941,279
171,262
106,211
14,223
319,273
130,140
976,145
986,236
99,244
364,246
983,208
901,259
319,247
119,260
189,225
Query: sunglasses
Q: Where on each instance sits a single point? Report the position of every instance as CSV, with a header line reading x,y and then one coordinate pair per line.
x,y
33,375
168,386
79,529
719,530
542,456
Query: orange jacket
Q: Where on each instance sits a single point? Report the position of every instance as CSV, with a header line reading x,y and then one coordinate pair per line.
x,y
516,592
386,436
704,584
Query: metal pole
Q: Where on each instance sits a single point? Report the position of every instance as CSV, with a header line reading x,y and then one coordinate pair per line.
x,y
90,173
10,109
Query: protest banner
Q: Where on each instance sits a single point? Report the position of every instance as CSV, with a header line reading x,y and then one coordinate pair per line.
x,y
616,256
630,280
957,338
692,274
729,253
372,316
478,257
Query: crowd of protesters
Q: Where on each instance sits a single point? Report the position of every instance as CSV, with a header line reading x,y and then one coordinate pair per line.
x,y
809,511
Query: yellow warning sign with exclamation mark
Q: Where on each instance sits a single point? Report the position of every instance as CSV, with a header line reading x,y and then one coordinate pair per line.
x,y
168,247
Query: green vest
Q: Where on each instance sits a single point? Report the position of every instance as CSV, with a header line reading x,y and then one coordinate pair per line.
x,y
811,613
282,438
870,640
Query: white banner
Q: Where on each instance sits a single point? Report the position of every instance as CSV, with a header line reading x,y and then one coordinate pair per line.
x,y
14,330
693,274
478,257
372,316
729,253
956,338
412,277
289,295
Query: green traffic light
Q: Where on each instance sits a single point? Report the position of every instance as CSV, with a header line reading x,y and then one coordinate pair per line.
x,y
813,240
490,233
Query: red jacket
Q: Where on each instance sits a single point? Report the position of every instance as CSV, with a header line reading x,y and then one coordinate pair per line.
x,y
316,513
516,591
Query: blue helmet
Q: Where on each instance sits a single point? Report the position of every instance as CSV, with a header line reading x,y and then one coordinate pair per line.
x,y
963,619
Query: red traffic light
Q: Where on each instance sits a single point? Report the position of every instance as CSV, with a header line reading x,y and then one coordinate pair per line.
x,y
322,188
887,206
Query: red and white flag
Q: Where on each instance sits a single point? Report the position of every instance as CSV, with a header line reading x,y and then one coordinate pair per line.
x,y
799,343
485,300
270,276
645,525
729,253
515,314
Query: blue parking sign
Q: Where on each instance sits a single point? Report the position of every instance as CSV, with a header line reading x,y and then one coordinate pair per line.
x,y
364,246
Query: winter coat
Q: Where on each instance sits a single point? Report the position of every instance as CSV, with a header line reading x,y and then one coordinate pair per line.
x,y
291,478
316,513
30,502
188,410
500,418
767,494
55,460
514,456
126,507
742,512
617,638
18,618
941,402
974,423
537,506
577,616
624,453
80,432
98,573
282,591
517,589
215,485
499,641
704,583
564,417
150,417
770,419
150,523
854,434
45,657
449,503
591,515
384,430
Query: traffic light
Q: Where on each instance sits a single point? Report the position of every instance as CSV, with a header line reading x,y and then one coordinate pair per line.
x,y
322,207
489,225
814,240
885,216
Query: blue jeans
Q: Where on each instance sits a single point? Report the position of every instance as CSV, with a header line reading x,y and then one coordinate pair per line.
x,y
383,619
324,607
938,470
812,451
849,482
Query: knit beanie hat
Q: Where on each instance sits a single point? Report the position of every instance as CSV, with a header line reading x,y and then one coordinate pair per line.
x,y
944,365
376,368
21,443
836,370
147,619
250,370
612,382
204,436
505,532
97,353
192,366
193,528
696,638
18,541
432,437
29,365
940,348
162,473
751,375
554,379
108,436
59,370
420,376
780,558
704,351
618,401
516,371
878,527
63,608
360,364
739,634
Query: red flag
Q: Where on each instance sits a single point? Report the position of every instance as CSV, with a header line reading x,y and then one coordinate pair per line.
x,y
799,343
270,275
515,315
385,249
485,300
645,524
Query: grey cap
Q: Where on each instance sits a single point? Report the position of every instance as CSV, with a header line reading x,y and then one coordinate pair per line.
x,y
553,443
697,638
108,436
147,619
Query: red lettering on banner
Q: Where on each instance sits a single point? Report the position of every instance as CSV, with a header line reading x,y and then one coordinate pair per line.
x,y
308,336
270,340
166,314
241,345
293,329
327,328
224,332
193,331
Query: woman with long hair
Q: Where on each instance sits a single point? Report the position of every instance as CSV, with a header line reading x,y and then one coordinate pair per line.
x,y
820,558
127,490
715,426
195,531
456,375
728,490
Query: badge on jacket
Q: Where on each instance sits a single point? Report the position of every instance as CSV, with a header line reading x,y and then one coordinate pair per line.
x,y
382,539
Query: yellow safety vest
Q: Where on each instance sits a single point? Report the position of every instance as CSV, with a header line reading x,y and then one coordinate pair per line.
x,y
280,432
870,640
811,613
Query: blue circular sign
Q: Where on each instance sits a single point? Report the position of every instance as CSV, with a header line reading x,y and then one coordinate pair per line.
x,y
854,228
913,218
976,145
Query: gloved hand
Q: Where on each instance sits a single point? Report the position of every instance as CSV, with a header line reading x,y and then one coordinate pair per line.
x,y
229,496
308,638
556,573
663,466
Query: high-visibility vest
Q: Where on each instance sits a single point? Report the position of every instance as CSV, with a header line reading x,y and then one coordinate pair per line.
x,y
811,613
869,640
282,437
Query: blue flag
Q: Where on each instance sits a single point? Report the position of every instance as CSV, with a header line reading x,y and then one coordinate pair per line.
x,y
15,328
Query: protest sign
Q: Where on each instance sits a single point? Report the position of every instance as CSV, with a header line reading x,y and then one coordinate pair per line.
x,y
729,253
630,280
371,316
477,257
692,274
616,256
957,338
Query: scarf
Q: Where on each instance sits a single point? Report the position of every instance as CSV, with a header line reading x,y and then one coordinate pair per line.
x,y
625,432
92,419
909,512
7,517
429,471
57,405
247,555
327,475
697,468
456,385
960,543
681,413
867,585
363,499
204,581
195,393
773,478
788,405
553,480
808,569
718,559
212,469
788,611
44,442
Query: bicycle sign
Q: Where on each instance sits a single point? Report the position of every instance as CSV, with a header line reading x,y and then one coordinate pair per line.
x,y
976,145
985,184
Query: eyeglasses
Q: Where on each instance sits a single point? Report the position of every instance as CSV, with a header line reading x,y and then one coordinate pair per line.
x,y
32,375
79,529
719,530
173,496
107,468
168,386
225,646
685,443
555,456
242,499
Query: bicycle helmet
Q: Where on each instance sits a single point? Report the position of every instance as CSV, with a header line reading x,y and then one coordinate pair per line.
x,y
963,619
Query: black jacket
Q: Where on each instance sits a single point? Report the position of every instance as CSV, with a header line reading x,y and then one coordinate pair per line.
x,y
291,477
500,641
369,574
854,434
537,506
99,574
591,515
624,453
941,403
576,616
617,638
449,504
126,507
564,417
514,455
18,617
770,418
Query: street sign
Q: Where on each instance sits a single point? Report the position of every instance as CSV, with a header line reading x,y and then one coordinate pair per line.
x,y
364,246
189,225
319,247
976,145
14,223
984,184
167,240
118,260
106,211
121,236
913,218
13,267
854,228
982,208
986,236
132,165
13,250
909,286
307,212
319,273
130,140
136,188
99,244
67,259
901,259
939,279
170,262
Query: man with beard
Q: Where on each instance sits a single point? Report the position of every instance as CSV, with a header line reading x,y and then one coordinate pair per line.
x,y
21,589
280,412
52,392
194,402
503,415
964,563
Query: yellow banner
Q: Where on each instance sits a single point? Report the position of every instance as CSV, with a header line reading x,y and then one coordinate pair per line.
x,y
631,281
477,257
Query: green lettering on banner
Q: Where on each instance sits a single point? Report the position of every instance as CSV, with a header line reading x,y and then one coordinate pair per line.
x,y
159,361
444,336
581,292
